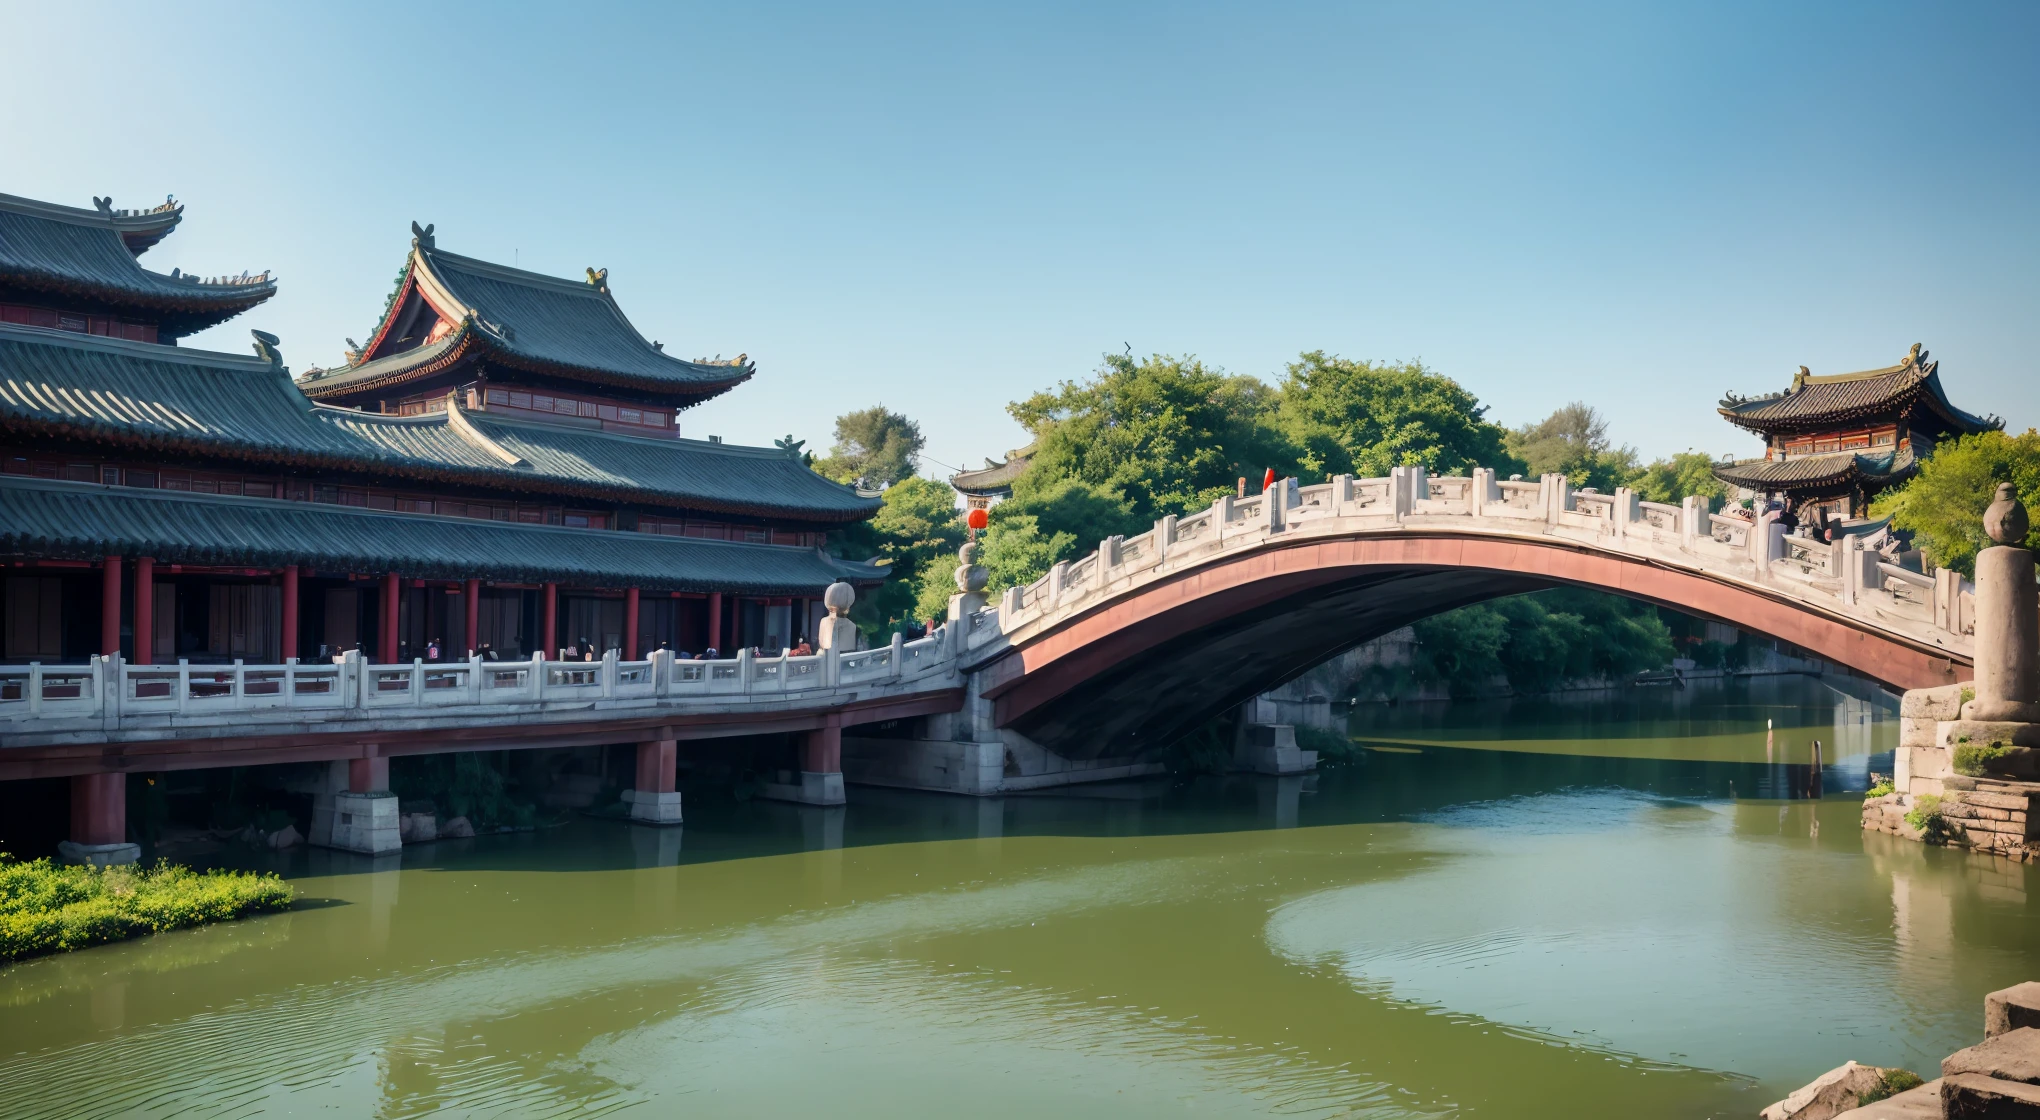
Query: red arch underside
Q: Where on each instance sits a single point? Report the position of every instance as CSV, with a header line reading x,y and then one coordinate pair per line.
x,y
1163,620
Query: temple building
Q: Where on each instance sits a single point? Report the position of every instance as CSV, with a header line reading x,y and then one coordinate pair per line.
x,y
1833,442
499,468
983,489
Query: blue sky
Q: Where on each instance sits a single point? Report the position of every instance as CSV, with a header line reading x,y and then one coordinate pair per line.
x,y
944,208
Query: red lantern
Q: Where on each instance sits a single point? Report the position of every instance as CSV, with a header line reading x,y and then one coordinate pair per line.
x,y
978,518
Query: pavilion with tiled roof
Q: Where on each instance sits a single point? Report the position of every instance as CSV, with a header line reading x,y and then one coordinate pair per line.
x,y
511,339
73,269
500,467
1834,441
982,489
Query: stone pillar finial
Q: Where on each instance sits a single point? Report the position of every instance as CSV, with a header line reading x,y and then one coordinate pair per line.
x,y
2007,619
839,598
2005,521
970,577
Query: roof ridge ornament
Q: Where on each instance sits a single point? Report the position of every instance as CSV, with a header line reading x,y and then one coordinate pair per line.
x,y
421,237
267,349
103,205
791,446
598,279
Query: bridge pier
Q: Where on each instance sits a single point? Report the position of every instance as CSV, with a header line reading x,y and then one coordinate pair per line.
x,y
99,822
654,800
365,817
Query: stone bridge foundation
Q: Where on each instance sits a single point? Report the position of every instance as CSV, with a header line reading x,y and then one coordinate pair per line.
x,y
365,816
965,752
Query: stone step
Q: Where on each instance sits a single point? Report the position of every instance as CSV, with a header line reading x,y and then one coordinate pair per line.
x,y
1922,1103
2008,1009
1972,1096
2011,1056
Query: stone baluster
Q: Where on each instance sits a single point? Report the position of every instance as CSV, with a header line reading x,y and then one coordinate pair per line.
x,y
1342,493
2007,619
1165,537
1481,491
1058,573
1626,512
1692,521
1010,603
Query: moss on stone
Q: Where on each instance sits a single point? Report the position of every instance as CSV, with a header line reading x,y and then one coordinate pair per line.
x,y
1892,1083
1973,759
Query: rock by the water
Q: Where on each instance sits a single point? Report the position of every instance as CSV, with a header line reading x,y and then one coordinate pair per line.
x,y
285,837
1827,1096
418,828
456,829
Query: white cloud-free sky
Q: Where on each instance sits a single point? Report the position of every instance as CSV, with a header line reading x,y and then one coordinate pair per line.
x,y
946,207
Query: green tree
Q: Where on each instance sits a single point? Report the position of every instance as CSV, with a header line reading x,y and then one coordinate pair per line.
x,y
1943,504
1161,434
917,529
1540,640
1361,418
1573,441
874,444
1672,480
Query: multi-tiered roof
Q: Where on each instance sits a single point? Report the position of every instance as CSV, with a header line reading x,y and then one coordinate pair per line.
x,y
64,267
455,320
1847,434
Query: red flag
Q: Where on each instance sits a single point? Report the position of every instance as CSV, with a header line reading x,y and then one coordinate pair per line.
x,y
1269,480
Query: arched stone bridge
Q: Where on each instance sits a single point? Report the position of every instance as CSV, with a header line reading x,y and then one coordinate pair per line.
x,y
1107,656
1146,637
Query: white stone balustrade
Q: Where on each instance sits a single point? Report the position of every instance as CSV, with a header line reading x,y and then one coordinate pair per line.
x,y
108,699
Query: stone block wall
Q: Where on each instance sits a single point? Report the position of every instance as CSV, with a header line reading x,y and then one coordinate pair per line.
x,y
1991,814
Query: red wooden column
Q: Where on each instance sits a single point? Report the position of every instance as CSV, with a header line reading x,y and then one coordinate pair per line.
x,y
99,809
145,609
290,610
654,800
390,591
715,619
471,594
630,634
656,763
822,751
368,775
551,645
109,606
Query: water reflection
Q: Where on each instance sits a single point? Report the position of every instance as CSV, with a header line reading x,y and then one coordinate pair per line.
x,y
1472,922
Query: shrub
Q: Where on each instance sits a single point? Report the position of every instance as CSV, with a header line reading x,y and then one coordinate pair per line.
x,y
1926,815
1881,789
1973,759
1892,1083
1333,749
50,908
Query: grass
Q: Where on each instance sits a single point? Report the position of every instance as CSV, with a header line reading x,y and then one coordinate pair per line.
x,y
1926,814
1894,1082
52,908
1973,759
1878,790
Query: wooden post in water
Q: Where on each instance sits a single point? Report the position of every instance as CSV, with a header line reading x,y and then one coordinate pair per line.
x,y
1768,756
1813,779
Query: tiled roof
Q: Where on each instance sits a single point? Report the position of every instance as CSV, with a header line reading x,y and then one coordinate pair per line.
x,y
1820,401
994,477
75,520
566,328
58,384
1828,469
90,255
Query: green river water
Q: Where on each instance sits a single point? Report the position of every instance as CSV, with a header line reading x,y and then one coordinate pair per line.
x,y
1606,906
